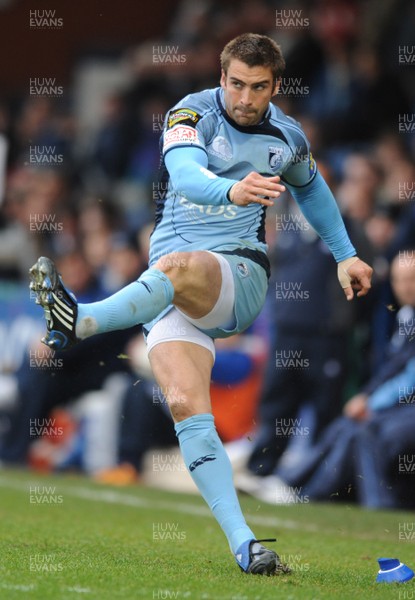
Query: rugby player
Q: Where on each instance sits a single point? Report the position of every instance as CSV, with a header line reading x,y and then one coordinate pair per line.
x,y
228,154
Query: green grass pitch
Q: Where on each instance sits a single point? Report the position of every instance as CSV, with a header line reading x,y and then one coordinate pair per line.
x,y
65,538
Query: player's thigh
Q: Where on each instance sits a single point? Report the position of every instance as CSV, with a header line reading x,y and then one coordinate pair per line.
x,y
196,277
183,371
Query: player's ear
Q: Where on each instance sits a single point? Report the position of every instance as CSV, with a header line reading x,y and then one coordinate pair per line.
x,y
223,78
277,86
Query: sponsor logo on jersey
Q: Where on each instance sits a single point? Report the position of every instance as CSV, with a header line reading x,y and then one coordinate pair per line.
x,y
182,114
201,213
181,134
221,148
275,156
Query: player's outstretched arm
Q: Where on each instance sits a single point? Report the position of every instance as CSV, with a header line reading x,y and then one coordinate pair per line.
x,y
319,207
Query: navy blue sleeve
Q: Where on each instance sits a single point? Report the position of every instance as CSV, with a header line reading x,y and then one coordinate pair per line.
x,y
190,177
319,207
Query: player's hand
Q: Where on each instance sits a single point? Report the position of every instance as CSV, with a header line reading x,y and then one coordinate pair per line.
x,y
356,408
255,188
354,274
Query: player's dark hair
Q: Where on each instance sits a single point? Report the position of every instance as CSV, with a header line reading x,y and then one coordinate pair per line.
x,y
254,50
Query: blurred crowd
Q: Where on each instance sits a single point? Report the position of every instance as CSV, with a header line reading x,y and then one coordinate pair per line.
x,y
80,180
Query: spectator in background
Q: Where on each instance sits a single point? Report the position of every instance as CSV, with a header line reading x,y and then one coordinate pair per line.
x,y
46,376
385,407
43,126
114,139
144,156
359,454
99,219
124,261
38,216
397,189
359,187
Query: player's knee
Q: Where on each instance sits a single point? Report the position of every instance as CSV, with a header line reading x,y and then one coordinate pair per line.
x,y
174,262
177,266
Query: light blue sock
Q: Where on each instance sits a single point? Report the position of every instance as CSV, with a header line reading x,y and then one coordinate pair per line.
x,y
210,468
138,302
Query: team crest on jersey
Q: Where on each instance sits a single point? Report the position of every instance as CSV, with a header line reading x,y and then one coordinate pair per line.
x,y
275,156
242,269
221,148
182,115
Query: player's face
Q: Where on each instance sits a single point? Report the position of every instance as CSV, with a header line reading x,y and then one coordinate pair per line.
x,y
247,91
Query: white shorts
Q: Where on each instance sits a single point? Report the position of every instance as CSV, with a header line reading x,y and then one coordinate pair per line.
x,y
174,327
241,298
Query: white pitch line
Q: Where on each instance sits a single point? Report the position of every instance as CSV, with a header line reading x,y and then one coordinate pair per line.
x,y
20,588
115,497
31,587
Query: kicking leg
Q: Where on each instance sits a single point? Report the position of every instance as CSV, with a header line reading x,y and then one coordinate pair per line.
x,y
190,280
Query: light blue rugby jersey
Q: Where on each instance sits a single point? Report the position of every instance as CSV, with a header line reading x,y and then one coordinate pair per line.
x,y
204,153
